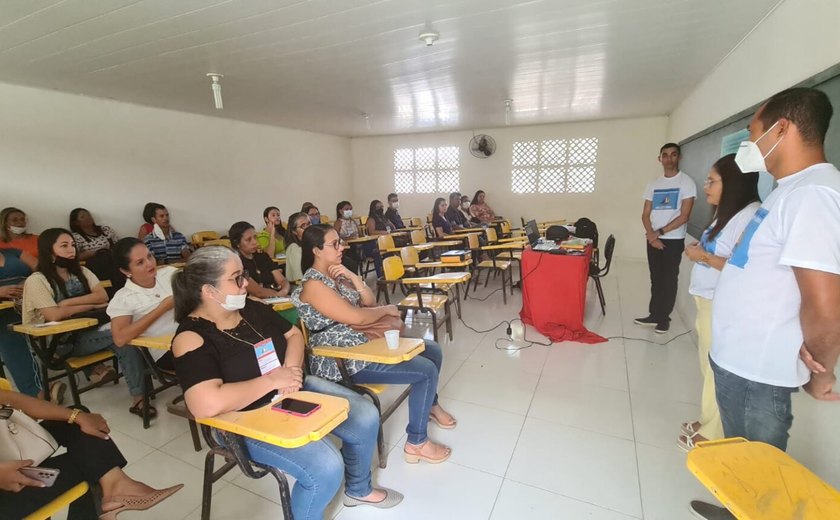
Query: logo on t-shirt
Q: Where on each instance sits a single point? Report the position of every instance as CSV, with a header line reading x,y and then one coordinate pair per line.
x,y
741,252
665,198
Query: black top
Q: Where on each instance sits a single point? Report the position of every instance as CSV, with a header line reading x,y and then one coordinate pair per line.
x,y
261,268
395,218
455,217
381,223
440,222
228,359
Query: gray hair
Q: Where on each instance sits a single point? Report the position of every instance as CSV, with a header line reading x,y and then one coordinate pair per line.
x,y
204,267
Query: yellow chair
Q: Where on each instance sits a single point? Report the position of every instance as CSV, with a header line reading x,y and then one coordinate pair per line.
x,y
224,242
505,229
371,390
493,264
757,481
492,237
199,238
62,500
363,220
416,222
385,243
418,237
325,219
410,257
425,300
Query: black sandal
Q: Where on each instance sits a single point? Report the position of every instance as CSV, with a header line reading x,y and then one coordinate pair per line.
x,y
137,409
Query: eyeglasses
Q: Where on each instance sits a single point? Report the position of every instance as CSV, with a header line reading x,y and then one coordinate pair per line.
x,y
710,181
337,244
304,224
239,279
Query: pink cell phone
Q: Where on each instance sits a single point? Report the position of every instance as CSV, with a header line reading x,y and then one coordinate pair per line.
x,y
45,475
296,407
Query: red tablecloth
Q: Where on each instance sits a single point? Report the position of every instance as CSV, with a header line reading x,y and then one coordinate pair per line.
x,y
554,295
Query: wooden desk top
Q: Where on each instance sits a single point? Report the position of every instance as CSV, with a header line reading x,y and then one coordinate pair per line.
x,y
282,429
280,303
465,231
7,305
439,279
412,228
153,342
59,327
758,481
418,247
506,246
362,240
447,243
375,351
279,260
429,265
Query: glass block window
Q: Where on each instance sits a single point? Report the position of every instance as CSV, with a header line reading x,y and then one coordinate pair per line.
x,y
427,170
554,166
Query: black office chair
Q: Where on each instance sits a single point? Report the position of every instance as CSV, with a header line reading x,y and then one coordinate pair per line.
x,y
596,272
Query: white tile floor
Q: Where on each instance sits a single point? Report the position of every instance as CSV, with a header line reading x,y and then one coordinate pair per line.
x,y
569,431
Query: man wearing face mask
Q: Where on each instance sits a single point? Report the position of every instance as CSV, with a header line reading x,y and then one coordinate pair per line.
x,y
668,203
392,213
776,311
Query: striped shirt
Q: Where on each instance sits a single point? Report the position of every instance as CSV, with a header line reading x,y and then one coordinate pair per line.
x,y
167,251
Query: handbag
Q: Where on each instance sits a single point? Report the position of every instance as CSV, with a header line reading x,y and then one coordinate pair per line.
x,y
377,329
22,438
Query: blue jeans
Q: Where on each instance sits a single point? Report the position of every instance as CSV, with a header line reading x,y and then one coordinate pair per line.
x,y
358,434
316,467
16,355
755,411
422,374
92,341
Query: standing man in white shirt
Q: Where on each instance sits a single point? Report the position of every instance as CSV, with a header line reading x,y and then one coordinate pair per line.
x,y
668,203
778,299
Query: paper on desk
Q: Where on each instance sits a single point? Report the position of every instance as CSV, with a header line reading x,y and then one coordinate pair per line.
x,y
47,324
276,299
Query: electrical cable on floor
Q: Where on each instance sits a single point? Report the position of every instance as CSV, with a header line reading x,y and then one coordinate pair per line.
x,y
689,331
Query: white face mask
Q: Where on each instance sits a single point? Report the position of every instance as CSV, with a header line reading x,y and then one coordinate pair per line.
x,y
749,157
233,302
465,205
17,230
395,205
347,213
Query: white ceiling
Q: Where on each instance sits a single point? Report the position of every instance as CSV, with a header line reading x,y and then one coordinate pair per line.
x,y
320,64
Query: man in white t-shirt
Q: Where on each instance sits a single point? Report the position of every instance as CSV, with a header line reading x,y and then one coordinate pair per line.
x,y
777,304
668,203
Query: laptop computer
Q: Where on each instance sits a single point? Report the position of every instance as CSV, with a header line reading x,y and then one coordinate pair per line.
x,y
532,232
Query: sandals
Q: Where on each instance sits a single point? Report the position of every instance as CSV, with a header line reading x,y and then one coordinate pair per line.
x,y
689,442
103,376
447,426
687,428
414,454
136,503
137,409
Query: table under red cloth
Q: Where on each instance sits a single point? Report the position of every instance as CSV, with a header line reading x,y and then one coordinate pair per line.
x,y
554,295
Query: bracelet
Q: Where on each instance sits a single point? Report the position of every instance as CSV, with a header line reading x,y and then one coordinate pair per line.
x,y
73,416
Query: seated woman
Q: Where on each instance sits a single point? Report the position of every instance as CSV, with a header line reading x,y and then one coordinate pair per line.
x,y
93,243
464,208
480,210
298,222
91,457
330,302
60,289
272,238
439,222
377,224
148,214
219,373
347,229
143,307
15,267
13,233
312,211
265,278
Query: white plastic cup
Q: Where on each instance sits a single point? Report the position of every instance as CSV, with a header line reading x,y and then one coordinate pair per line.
x,y
392,338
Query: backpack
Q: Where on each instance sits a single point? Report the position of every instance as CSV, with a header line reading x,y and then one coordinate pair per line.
x,y
585,228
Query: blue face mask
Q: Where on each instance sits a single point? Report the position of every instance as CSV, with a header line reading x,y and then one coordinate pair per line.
x,y
314,219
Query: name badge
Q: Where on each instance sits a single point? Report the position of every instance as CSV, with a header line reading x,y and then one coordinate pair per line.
x,y
266,356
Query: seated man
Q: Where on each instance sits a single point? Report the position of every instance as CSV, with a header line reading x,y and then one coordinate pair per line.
x,y
455,217
166,244
392,213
